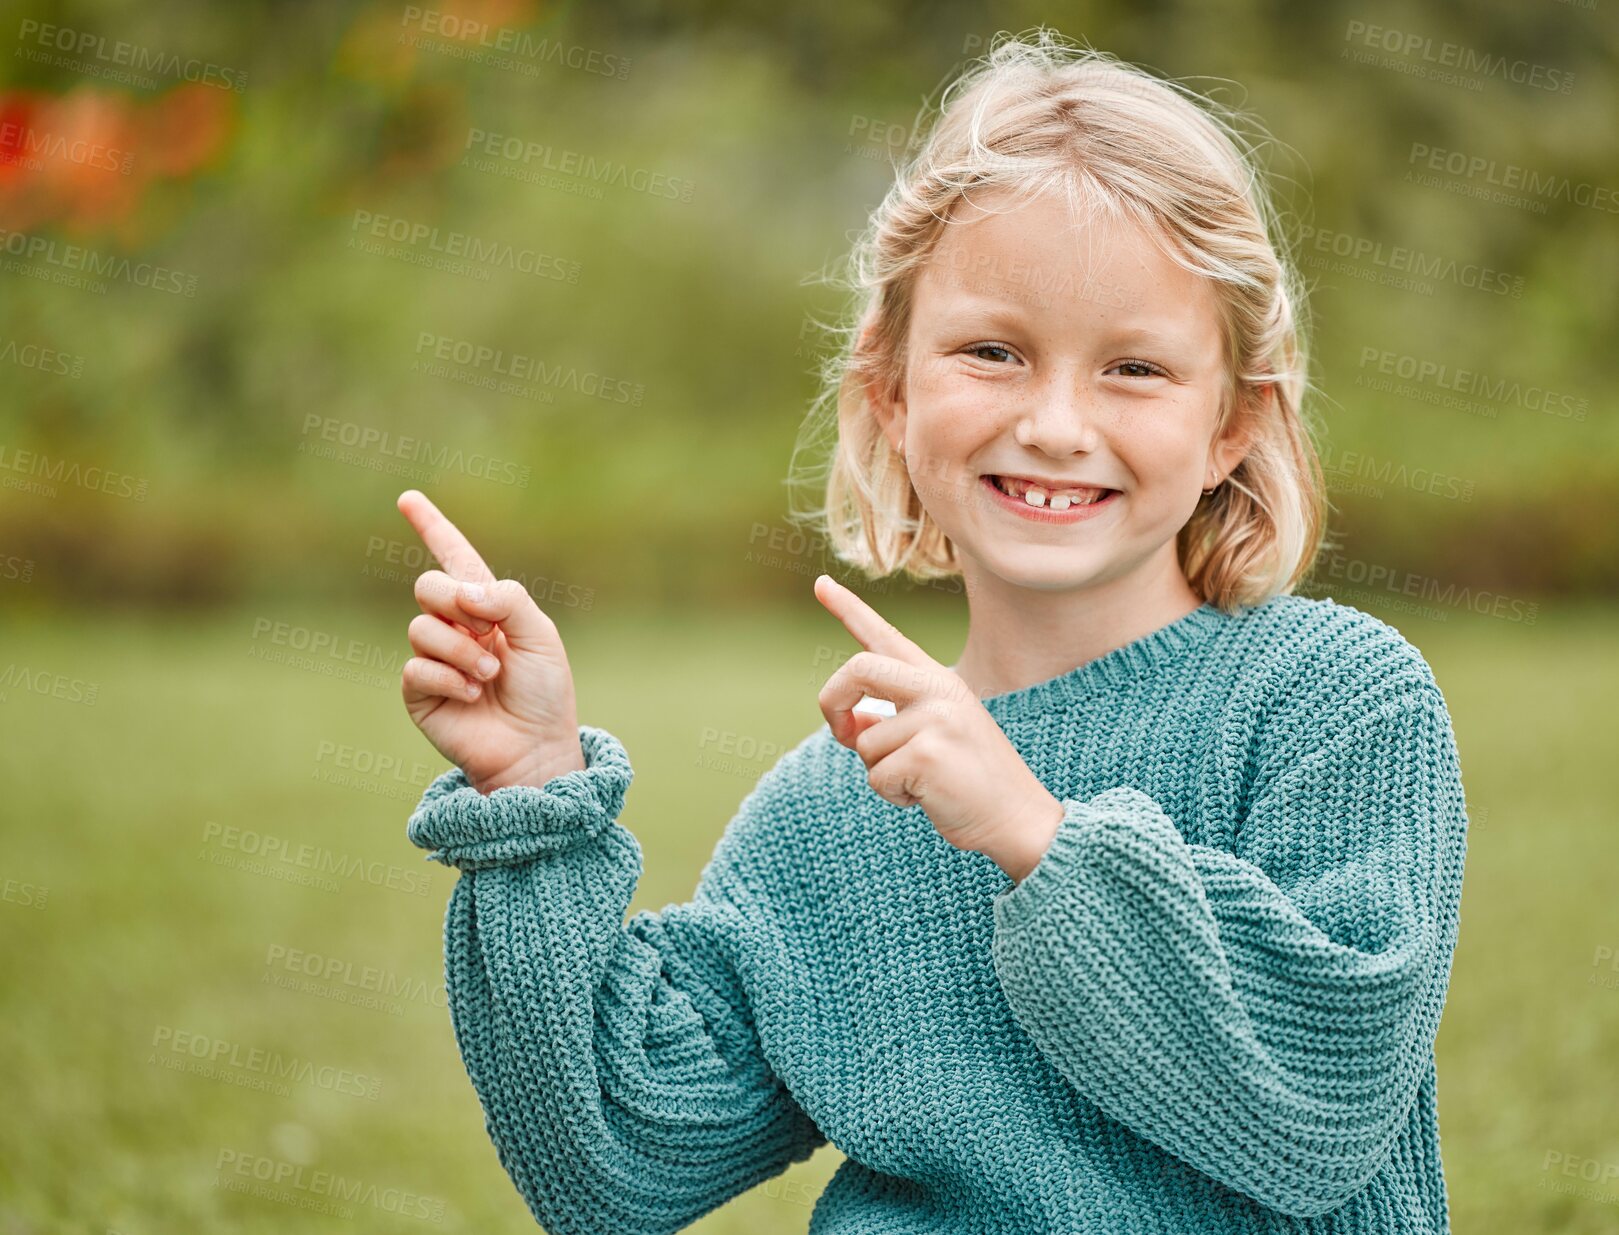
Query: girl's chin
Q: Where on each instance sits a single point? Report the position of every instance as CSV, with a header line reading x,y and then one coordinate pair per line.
x,y
1039,568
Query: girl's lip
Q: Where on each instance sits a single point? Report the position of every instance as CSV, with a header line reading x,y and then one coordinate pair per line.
x,y
1044,514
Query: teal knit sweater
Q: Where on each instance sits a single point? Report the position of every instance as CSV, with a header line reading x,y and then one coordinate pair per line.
x,y
1210,1007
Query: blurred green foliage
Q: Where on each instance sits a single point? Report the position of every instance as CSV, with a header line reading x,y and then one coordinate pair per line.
x,y
782,125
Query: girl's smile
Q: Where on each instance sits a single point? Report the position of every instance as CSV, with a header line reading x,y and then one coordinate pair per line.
x,y
1040,504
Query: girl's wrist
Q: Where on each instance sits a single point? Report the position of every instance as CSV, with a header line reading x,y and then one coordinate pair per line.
x,y
546,764
1024,843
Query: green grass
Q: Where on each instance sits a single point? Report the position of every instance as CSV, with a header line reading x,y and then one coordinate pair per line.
x,y
115,807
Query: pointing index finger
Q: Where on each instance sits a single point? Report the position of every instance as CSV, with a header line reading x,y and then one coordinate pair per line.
x,y
453,550
871,630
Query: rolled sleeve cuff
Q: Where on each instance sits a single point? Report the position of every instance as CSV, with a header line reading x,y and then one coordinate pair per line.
x,y
1121,817
470,830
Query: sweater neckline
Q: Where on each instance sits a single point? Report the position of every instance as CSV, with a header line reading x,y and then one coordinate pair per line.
x,y
1112,669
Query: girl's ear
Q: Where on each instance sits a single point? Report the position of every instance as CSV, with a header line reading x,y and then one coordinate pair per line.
x,y
890,414
1228,450
887,407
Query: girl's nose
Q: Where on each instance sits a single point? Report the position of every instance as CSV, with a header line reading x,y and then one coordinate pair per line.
x,y
1059,418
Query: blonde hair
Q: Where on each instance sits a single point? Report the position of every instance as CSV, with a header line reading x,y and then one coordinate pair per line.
x,y
1032,115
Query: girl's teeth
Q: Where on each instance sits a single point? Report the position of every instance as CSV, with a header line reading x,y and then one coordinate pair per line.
x,y
1034,495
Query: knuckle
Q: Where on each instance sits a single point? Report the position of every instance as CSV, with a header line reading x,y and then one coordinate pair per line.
x,y
424,673
430,584
864,742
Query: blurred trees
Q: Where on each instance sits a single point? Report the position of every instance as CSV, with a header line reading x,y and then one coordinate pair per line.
x,y
556,264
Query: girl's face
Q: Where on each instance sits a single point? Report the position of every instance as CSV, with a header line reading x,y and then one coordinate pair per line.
x,y
1077,354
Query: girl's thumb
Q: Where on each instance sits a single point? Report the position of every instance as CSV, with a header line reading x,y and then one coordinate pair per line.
x,y
507,602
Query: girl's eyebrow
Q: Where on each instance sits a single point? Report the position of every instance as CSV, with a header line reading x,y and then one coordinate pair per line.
x,y
997,310
1142,334
987,311
991,312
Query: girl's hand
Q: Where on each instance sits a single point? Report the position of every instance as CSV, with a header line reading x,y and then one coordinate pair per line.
x,y
941,749
490,684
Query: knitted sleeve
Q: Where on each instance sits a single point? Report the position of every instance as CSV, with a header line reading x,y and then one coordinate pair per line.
x,y
1267,1019
616,1062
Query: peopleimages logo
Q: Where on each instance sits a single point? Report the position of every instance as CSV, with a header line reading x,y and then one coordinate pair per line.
x,y
1378,577
1429,51
275,851
184,1050
540,157
23,145
1473,384
72,259
44,359
530,370
1550,185
36,681
452,248
478,40
368,439
329,1185
1366,473
131,56
50,470
1319,244
284,966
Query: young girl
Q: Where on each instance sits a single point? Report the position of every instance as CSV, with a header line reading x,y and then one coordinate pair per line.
x,y
1139,917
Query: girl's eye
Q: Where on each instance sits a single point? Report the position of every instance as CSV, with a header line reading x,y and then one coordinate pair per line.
x,y
988,347
1143,368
